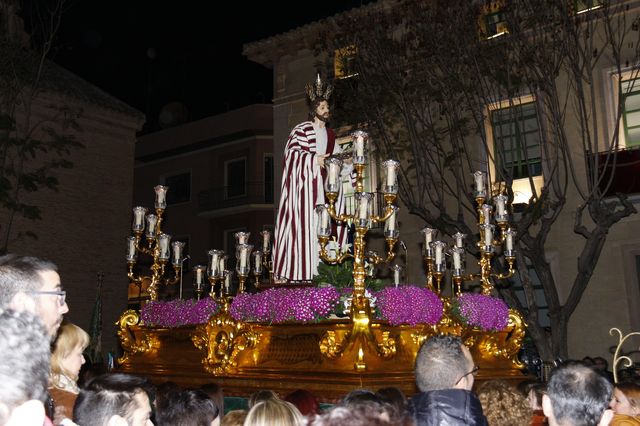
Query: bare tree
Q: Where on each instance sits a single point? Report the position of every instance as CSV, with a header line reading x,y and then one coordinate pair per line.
x,y
31,146
431,77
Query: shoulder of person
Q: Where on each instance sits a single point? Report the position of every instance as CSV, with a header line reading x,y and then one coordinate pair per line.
x,y
622,420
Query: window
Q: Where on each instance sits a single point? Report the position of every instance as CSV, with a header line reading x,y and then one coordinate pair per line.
x,y
516,138
582,6
268,178
630,93
344,62
179,188
493,20
235,178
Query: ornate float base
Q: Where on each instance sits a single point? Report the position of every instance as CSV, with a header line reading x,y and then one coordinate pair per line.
x,y
327,358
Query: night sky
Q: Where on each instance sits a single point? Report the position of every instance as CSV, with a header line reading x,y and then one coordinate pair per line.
x,y
189,54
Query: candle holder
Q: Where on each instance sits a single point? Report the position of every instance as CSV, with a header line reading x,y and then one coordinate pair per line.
x,y
198,280
243,264
363,218
492,237
158,246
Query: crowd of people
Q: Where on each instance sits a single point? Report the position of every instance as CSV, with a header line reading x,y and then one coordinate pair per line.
x,y
40,374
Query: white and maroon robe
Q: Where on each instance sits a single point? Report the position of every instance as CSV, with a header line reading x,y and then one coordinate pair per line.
x,y
296,248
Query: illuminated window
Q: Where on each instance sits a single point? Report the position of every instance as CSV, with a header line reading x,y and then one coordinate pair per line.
x,y
630,93
516,138
493,20
344,62
582,6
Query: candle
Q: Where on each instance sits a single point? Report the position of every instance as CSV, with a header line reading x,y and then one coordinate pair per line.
x,y
266,241
131,248
152,220
334,171
459,237
486,214
214,257
161,196
138,218
429,235
510,233
359,146
500,205
242,237
390,224
257,261
228,275
488,234
457,262
396,275
164,240
438,246
198,276
363,212
221,265
176,248
479,178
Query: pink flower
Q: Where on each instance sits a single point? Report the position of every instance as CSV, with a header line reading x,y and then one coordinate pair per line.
x,y
179,312
409,305
485,312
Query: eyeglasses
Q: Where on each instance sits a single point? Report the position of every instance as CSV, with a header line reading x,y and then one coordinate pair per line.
x,y
473,371
62,295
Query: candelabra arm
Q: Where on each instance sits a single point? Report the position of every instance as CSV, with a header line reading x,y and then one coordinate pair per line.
x,y
387,214
324,255
337,217
140,248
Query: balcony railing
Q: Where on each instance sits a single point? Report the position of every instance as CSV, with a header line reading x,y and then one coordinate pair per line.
x,y
626,177
224,197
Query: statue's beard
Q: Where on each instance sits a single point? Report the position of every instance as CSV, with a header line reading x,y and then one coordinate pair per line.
x,y
324,118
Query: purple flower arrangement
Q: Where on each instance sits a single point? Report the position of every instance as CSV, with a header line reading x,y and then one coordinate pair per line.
x,y
485,312
277,305
409,305
179,312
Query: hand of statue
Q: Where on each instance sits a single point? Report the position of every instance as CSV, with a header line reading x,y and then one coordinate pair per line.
x,y
321,159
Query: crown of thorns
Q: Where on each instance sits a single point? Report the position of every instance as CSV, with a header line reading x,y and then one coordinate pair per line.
x,y
319,89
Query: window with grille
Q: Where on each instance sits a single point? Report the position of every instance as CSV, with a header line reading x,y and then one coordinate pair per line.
x,y
516,137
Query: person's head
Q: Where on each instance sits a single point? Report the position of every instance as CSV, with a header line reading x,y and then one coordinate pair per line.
x,y
358,396
626,398
261,395
67,358
274,412
320,108
33,284
190,407
365,414
215,392
112,399
533,393
600,363
394,397
444,362
24,367
502,404
577,396
304,401
234,418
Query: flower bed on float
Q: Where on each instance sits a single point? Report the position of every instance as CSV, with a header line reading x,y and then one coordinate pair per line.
x,y
403,305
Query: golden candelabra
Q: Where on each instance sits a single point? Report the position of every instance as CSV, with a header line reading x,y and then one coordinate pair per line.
x,y
363,219
158,246
434,251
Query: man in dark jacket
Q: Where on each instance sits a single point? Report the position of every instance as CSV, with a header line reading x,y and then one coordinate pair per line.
x,y
444,374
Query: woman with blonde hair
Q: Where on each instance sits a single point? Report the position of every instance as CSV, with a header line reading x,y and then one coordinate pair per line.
x,y
626,404
66,361
274,412
503,405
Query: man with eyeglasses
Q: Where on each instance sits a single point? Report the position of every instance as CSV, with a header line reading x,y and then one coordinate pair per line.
x,y
445,374
33,284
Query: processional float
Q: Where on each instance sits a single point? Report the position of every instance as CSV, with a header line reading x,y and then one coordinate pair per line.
x,y
332,356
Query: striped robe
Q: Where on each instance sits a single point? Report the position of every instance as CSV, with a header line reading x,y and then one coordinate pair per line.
x,y
296,248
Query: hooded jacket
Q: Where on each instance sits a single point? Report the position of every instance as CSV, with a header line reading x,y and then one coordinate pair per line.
x,y
448,407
